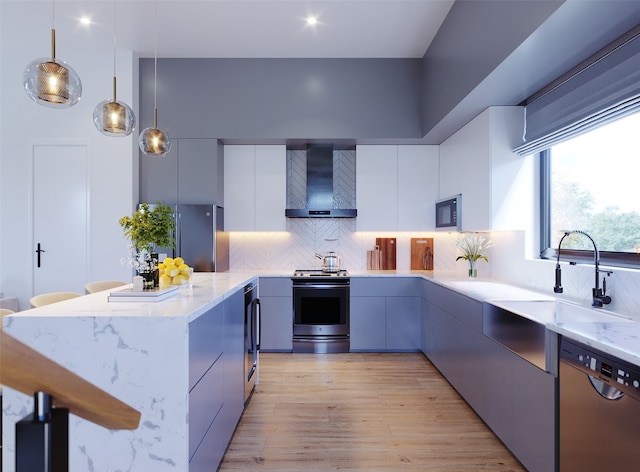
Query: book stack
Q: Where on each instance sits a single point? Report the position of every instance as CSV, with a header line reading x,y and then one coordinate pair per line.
x,y
151,295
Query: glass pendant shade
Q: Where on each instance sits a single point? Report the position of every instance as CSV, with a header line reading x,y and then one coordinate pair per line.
x,y
52,83
114,118
154,142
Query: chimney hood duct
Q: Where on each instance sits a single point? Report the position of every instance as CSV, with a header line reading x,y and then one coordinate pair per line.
x,y
320,201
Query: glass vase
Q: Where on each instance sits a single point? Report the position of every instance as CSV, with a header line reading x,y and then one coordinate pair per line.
x,y
473,272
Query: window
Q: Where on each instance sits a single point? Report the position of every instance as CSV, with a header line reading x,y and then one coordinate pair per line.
x,y
593,183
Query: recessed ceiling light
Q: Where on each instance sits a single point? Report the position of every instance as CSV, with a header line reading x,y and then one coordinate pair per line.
x,y
312,20
85,20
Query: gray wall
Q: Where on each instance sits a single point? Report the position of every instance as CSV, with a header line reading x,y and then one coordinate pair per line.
x,y
276,99
475,38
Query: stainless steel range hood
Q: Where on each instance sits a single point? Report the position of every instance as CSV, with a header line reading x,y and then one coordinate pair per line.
x,y
321,201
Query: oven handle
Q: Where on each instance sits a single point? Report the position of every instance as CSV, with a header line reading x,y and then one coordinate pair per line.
x,y
320,285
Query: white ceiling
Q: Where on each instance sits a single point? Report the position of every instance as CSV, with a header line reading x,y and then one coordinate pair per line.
x,y
231,28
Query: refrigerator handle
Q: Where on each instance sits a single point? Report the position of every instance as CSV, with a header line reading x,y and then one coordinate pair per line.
x,y
178,237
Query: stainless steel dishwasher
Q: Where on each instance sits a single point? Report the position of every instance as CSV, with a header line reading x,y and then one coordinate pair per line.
x,y
599,403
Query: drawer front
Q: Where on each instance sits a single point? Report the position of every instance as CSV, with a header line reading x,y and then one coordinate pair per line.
x,y
466,309
275,286
385,286
205,342
205,402
208,456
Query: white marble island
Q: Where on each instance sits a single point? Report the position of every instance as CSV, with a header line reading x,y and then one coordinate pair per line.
x,y
145,355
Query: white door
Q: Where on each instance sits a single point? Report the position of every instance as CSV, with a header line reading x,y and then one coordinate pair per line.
x,y
59,218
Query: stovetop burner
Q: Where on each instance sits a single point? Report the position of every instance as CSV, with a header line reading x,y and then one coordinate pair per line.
x,y
319,273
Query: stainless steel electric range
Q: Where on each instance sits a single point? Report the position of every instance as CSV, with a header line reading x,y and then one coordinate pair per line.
x,y
320,311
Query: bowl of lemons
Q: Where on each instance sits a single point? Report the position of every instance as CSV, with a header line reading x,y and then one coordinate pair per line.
x,y
174,271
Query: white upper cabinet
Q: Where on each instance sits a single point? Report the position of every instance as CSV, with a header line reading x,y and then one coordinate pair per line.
x,y
255,187
396,187
271,188
496,184
417,187
377,188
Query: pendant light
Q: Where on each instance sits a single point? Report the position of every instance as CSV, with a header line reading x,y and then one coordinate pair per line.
x,y
154,141
52,82
113,117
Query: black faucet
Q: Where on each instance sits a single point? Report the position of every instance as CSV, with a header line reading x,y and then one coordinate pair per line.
x,y
599,295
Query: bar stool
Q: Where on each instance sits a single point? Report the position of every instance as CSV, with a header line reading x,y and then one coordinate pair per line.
x,y
52,297
100,285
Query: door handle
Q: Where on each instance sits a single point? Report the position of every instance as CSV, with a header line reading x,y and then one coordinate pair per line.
x,y
39,251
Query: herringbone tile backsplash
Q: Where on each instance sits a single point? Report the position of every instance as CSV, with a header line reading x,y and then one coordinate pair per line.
x,y
296,248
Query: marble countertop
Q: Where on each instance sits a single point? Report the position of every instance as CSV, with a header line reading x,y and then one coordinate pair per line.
x,y
207,290
615,335
607,331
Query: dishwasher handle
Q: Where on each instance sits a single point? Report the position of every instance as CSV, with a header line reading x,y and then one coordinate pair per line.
x,y
606,391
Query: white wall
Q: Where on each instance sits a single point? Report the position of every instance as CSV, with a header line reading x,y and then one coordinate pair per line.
x,y
112,163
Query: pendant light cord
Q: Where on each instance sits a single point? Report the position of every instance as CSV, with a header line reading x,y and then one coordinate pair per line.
x,y
155,68
114,51
53,31
114,38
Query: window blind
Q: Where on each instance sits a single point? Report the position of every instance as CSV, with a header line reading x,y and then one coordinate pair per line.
x,y
604,89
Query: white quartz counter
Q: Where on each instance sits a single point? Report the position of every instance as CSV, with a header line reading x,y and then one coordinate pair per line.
x,y
189,302
139,353
604,330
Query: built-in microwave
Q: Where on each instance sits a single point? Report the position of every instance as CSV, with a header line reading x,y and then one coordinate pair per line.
x,y
448,213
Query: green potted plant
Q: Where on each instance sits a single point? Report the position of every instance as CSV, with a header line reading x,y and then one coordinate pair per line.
x,y
149,228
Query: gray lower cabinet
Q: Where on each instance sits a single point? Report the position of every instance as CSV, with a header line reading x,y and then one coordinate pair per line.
x,y
402,321
533,438
367,323
233,362
276,310
216,388
514,398
385,314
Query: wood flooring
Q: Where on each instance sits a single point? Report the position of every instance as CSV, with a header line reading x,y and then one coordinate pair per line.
x,y
360,412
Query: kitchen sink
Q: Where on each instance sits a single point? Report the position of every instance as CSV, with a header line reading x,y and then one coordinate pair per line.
x,y
520,325
557,311
496,291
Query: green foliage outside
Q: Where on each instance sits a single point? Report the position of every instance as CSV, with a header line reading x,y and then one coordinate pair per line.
x,y
572,208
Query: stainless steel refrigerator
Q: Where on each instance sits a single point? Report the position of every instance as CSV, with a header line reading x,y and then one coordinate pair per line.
x,y
200,237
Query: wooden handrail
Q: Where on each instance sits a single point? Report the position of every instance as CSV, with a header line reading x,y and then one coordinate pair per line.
x,y
28,371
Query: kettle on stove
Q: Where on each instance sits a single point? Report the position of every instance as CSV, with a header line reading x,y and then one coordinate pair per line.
x,y
330,262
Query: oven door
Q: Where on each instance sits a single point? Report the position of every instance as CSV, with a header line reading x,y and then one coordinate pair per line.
x,y
321,308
